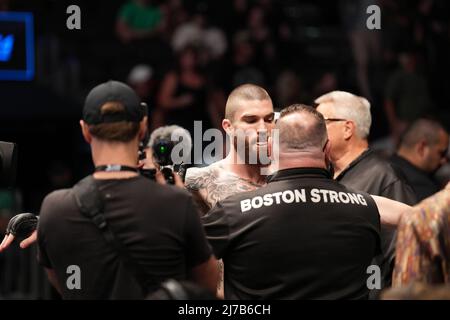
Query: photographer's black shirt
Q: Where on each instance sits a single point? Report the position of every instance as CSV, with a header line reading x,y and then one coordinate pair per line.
x,y
303,236
159,225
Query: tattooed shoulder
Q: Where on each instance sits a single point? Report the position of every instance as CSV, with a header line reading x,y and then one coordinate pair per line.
x,y
198,178
214,183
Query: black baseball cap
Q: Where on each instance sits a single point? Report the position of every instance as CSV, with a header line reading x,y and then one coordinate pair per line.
x,y
113,91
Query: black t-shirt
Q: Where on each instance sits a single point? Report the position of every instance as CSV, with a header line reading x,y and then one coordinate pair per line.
x,y
159,225
422,183
303,236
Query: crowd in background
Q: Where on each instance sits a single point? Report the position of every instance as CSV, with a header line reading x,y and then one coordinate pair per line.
x,y
183,57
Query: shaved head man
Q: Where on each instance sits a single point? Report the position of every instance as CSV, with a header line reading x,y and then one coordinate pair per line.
x,y
248,110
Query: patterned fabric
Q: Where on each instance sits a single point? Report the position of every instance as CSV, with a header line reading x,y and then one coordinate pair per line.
x,y
423,243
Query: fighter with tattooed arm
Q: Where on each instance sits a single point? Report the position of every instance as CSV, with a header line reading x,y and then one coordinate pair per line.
x,y
248,110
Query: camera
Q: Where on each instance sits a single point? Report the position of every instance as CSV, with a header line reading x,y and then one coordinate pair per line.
x,y
8,164
161,143
161,151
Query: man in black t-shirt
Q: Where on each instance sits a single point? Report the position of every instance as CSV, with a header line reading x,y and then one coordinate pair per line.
x,y
158,225
303,236
422,151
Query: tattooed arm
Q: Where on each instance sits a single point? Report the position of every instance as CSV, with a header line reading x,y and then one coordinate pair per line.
x,y
197,180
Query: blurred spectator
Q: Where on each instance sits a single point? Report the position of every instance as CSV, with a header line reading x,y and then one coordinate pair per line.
x,y
365,43
423,150
183,97
197,32
423,243
327,83
244,69
257,26
138,19
407,96
262,37
236,16
276,19
397,29
141,79
176,14
289,89
431,36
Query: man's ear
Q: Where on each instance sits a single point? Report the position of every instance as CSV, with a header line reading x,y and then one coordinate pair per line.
x,y
227,126
143,127
420,147
85,131
327,149
349,129
328,161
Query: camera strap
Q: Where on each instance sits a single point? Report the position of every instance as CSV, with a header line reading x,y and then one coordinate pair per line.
x,y
91,204
115,168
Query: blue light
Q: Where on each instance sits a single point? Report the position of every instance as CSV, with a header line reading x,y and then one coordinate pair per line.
x,y
6,47
5,51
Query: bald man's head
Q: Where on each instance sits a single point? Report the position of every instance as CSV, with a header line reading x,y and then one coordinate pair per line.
x,y
242,94
422,130
425,145
301,128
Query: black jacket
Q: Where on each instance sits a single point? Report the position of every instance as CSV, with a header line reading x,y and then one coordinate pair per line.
x,y
422,183
372,174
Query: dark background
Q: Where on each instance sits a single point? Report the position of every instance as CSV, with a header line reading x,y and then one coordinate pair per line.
x,y
42,115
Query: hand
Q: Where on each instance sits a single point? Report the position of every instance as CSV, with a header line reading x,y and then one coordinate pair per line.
x,y
159,176
23,225
9,238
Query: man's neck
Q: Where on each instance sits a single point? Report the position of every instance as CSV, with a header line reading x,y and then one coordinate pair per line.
x,y
105,153
352,153
408,156
251,172
302,159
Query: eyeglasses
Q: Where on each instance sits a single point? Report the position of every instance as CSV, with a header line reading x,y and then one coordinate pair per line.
x,y
334,120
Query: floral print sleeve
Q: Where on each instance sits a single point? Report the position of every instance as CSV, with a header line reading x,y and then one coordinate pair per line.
x,y
423,243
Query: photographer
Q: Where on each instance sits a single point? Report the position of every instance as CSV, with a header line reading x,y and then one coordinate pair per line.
x,y
159,155
149,232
